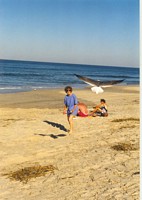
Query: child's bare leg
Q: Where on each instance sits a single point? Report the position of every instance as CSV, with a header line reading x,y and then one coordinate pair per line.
x,y
91,113
70,120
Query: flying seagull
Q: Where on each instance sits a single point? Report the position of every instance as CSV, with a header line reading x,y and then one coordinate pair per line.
x,y
97,84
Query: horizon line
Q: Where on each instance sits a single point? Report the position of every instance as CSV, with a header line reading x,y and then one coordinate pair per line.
x,y
1,59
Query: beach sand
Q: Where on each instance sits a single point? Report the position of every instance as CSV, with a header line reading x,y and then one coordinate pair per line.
x,y
98,161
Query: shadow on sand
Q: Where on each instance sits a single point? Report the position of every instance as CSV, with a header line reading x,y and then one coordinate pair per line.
x,y
61,127
52,135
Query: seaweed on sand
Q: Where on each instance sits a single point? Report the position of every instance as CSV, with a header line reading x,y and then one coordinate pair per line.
x,y
124,147
27,173
126,119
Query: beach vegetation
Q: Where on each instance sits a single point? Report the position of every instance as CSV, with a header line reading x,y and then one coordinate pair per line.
x,y
126,119
27,173
124,147
127,126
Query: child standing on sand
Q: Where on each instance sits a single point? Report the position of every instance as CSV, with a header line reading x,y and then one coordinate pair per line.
x,y
70,107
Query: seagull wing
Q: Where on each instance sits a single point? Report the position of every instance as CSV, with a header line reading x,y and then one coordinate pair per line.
x,y
97,82
110,83
88,80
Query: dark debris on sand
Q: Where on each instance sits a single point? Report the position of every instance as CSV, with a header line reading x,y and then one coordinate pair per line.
x,y
27,173
126,119
124,147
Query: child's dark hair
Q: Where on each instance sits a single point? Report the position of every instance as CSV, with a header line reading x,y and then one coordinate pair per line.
x,y
68,88
103,100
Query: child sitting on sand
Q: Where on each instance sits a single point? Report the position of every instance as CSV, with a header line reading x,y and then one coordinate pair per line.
x,y
100,110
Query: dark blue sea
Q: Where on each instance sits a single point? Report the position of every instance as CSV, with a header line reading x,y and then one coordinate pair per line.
x,y
17,76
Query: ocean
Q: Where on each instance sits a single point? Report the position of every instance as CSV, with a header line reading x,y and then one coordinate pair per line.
x,y
18,76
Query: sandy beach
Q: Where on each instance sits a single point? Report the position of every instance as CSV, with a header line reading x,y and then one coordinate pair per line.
x,y
98,161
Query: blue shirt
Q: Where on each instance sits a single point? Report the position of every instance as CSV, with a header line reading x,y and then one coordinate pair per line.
x,y
70,102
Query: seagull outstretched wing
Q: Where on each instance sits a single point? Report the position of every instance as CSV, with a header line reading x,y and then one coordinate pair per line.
x,y
97,84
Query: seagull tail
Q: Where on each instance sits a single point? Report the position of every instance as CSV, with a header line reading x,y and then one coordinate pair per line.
x,y
97,89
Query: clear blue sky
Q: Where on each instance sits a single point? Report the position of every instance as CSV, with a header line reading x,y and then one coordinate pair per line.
x,y
99,32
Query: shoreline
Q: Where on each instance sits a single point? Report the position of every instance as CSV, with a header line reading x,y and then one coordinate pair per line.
x,y
14,91
44,98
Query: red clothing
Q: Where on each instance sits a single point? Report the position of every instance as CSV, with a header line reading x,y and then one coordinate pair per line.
x,y
80,114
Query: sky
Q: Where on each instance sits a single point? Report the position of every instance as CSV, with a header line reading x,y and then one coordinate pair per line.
x,y
96,32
